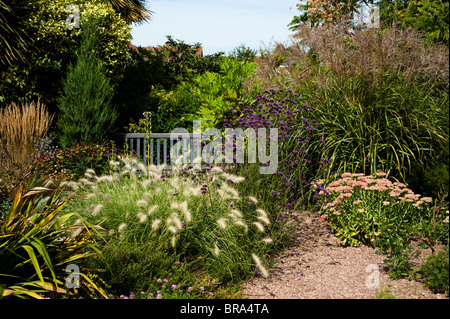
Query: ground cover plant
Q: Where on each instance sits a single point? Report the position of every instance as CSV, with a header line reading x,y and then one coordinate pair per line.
x,y
374,211
190,219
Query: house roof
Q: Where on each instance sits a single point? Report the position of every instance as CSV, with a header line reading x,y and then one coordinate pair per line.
x,y
198,53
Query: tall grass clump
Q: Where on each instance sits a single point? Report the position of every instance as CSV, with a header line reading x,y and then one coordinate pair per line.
x,y
22,128
380,96
183,217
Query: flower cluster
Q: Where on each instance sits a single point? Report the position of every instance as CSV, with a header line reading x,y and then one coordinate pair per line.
x,y
280,109
357,206
72,162
165,290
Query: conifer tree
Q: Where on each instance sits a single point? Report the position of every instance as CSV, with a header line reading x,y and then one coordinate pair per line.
x,y
86,111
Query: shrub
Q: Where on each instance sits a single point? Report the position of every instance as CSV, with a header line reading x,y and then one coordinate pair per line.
x,y
297,166
74,161
381,97
218,92
364,209
187,217
435,270
37,242
374,211
86,111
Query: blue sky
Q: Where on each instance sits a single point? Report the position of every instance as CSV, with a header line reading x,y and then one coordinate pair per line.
x,y
219,25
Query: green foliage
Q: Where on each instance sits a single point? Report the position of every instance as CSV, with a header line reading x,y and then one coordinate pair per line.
x,y
170,107
219,92
181,217
428,16
86,108
13,39
37,242
73,162
392,126
376,212
319,12
54,48
153,75
243,53
435,270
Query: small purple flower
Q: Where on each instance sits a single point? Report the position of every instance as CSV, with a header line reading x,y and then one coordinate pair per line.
x,y
174,287
159,280
159,297
273,193
190,289
202,288
250,203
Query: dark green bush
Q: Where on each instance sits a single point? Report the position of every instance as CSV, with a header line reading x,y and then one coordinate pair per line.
x,y
435,271
86,108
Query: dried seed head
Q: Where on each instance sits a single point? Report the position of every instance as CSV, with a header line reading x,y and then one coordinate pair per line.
x,y
172,229
261,268
261,212
216,250
259,226
156,223
222,223
90,196
97,209
142,217
264,219
188,216
121,227
152,209
253,199
106,178
142,202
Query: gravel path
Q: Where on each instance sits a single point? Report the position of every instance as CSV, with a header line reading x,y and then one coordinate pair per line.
x,y
318,266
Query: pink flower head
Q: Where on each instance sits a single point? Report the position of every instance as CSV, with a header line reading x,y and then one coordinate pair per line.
x,y
357,202
346,194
